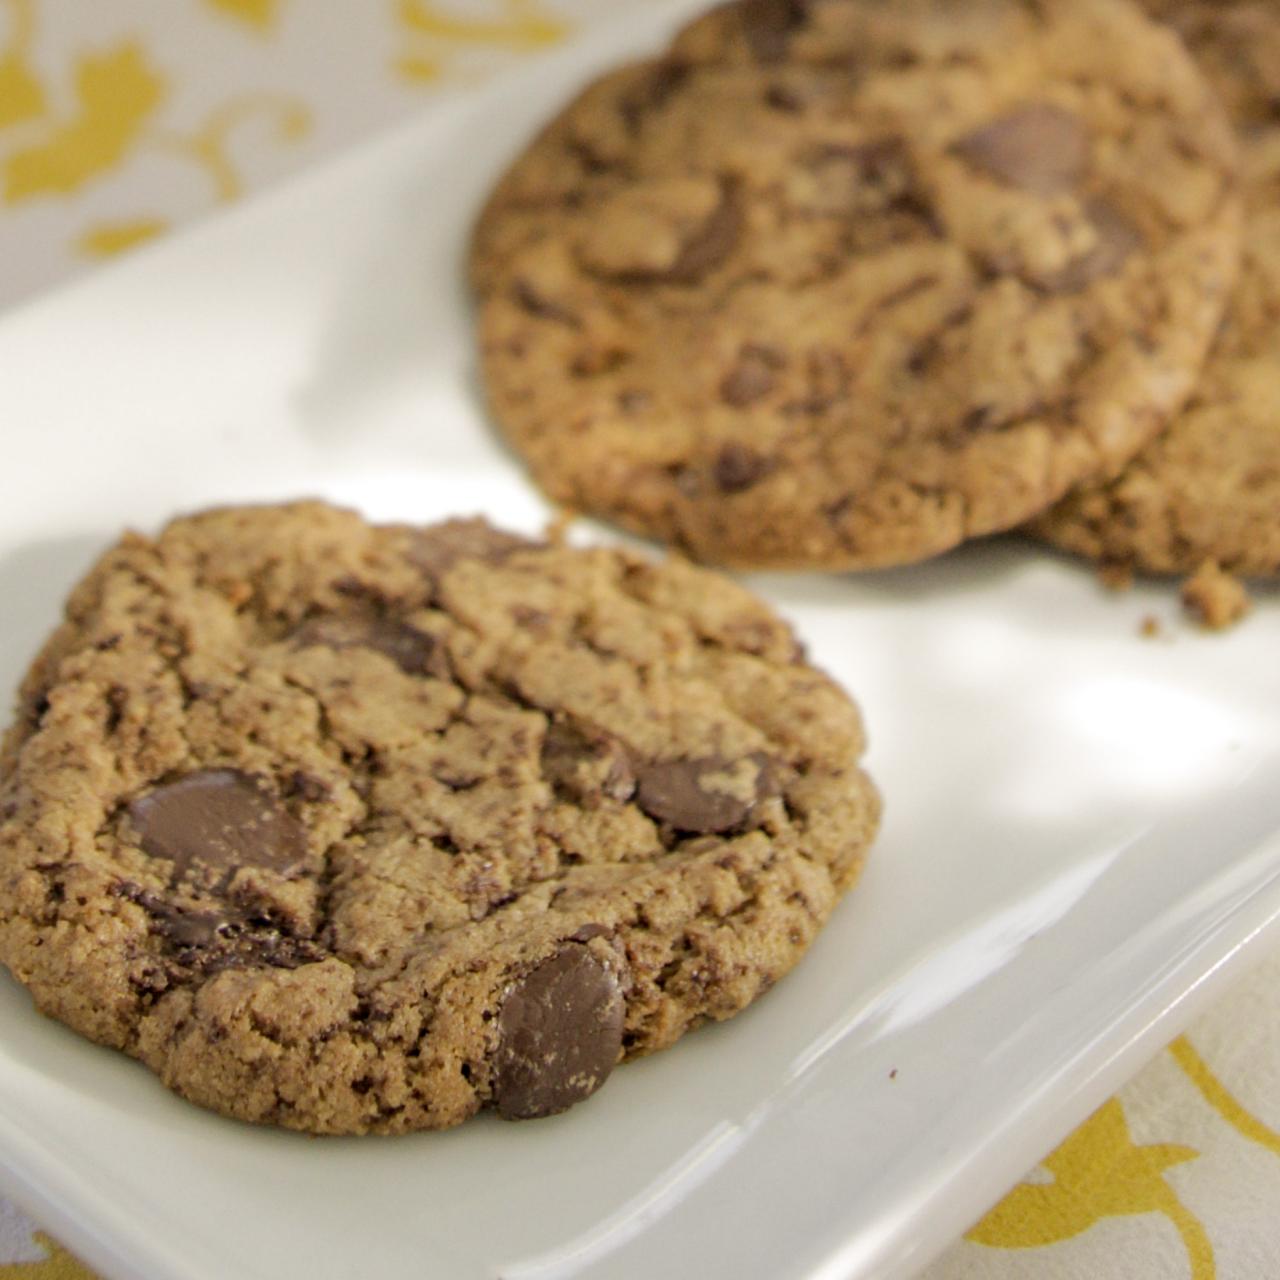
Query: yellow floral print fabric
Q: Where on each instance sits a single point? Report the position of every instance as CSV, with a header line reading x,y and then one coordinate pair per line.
x,y
121,119
1177,1177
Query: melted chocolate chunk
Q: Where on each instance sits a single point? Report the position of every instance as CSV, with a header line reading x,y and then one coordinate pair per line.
x,y
193,928
1039,148
738,468
586,766
217,818
653,93
707,795
710,245
1117,239
768,25
436,549
226,938
863,179
588,931
785,98
413,651
559,1035
752,377
538,305
306,787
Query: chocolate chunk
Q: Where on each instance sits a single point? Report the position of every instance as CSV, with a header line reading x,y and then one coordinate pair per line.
x,y
710,245
219,818
35,706
738,468
1039,148
782,97
586,766
437,548
192,928
667,232
559,1035
226,938
307,787
829,380
768,25
413,651
752,376
707,795
1117,239
633,401
868,178
593,161
179,925
653,92
537,305
211,942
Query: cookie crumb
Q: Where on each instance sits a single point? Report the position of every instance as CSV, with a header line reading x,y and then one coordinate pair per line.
x,y
1115,576
1149,628
893,1075
557,529
1215,599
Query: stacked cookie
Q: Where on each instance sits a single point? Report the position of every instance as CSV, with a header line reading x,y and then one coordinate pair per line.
x,y
1204,497
839,284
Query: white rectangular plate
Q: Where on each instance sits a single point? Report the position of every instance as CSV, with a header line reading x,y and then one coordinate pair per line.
x,y
1081,835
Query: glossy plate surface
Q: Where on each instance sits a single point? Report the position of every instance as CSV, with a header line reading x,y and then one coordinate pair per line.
x,y
1082,837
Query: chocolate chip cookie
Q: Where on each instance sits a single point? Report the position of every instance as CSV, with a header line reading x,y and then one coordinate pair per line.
x,y
352,828
1208,490
840,283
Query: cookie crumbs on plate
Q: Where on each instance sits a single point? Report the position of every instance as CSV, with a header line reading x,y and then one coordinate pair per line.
x,y
557,529
1150,628
1215,599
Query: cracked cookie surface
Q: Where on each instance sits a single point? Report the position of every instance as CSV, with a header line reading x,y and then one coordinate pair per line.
x,y
1208,489
353,828
839,284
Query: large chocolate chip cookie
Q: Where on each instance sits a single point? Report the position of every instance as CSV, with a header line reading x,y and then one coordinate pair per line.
x,y
349,828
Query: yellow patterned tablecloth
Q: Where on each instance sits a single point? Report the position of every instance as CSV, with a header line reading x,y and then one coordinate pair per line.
x,y
120,119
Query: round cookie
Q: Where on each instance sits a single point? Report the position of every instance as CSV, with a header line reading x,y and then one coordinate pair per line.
x,y
1208,489
350,828
839,284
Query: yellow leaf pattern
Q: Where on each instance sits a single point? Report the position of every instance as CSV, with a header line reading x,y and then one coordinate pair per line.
x,y
59,1265
209,146
419,67
1216,1094
110,238
1098,1173
257,13
434,30
522,24
116,94
21,94
117,103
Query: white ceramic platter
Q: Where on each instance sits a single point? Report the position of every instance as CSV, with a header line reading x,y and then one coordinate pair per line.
x,y
1082,835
